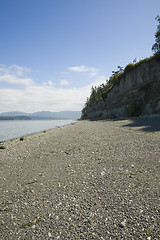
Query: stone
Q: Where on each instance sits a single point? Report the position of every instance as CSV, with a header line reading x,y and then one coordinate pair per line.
x,y
122,224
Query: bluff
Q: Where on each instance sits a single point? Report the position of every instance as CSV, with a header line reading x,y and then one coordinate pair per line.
x,y
136,93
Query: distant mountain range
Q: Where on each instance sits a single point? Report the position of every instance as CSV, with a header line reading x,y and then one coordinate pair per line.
x,y
44,115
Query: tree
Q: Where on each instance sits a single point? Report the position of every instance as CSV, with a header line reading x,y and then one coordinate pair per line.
x,y
156,46
120,70
134,60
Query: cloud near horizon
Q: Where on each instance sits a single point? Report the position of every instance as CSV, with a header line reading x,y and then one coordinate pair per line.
x,y
38,98
34,97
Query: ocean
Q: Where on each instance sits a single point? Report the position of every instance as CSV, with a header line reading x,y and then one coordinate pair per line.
x,y
18,128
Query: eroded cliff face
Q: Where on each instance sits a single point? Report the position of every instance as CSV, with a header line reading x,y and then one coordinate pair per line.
x,y
138,92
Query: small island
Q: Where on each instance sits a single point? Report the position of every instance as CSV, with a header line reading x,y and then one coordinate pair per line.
x,y
3,118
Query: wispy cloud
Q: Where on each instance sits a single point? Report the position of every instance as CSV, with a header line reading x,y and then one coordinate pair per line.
x,y
15,75
64,73
64,82
92,71
49,83
13,70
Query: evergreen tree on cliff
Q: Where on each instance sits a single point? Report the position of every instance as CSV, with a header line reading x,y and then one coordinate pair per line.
x,y
156,46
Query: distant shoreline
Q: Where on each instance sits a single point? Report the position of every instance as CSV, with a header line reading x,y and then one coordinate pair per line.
x,y
32,119
13,118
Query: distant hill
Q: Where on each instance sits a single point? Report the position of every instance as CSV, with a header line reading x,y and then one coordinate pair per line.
x,y
44,115
10,114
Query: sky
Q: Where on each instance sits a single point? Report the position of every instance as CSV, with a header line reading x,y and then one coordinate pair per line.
x,y
53,51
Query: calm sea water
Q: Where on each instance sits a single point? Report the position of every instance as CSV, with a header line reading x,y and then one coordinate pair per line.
x,y
15,129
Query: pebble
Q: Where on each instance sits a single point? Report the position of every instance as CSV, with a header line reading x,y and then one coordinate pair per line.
x,y
123,224
102,173
49,235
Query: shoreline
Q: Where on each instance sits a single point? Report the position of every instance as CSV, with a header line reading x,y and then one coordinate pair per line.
x,y
142,117
41,131
86,180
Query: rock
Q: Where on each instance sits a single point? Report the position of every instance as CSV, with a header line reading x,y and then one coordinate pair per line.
x,y
123,224
49,235
102,173
22,139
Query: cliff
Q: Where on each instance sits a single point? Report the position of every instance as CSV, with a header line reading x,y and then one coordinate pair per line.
x,y
136,93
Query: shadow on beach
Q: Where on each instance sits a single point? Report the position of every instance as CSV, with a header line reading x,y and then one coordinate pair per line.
x,y
144,124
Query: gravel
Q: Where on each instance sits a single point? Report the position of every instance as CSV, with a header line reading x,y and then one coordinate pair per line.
x,y
87,180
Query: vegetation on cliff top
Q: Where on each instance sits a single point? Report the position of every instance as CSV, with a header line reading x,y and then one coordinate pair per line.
x,y
100,93
156,46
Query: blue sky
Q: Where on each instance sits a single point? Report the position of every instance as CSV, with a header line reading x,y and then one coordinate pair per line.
x,y
53,51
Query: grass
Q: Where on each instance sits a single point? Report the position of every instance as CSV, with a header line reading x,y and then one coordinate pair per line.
x,y
26,190
6,203
2,146
149,232
30,224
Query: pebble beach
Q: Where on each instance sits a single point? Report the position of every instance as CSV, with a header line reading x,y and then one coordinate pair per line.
x,y
87,180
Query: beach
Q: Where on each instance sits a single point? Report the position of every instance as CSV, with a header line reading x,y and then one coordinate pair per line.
x,y
87,180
